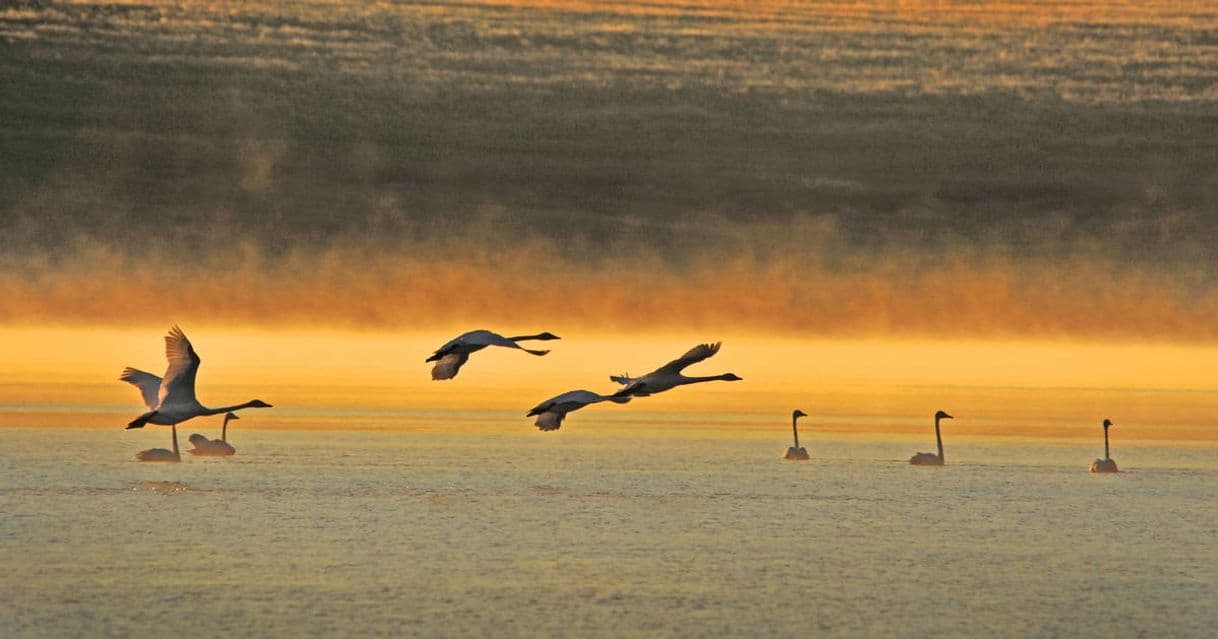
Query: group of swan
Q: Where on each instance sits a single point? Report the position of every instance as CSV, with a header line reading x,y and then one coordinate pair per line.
x,y
551,412
172,400
797,452
451,356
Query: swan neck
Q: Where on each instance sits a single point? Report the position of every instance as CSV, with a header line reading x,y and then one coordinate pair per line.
x,y
795,431
224,430
708,378
174,429
226,409
1106,443
939,441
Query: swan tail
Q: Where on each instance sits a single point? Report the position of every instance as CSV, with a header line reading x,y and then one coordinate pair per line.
x,y
139,422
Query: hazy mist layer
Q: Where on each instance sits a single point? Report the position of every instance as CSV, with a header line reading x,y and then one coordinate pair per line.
x,y
924,168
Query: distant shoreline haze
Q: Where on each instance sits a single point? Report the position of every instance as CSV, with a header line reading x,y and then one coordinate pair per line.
x,y
926,169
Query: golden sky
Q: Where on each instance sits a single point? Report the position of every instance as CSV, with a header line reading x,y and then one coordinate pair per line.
x,y
1030,388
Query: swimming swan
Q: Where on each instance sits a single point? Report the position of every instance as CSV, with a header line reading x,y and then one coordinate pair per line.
x,y
796,452
176,400
214,447
551,412
450,357
931,459
1107,464
669,375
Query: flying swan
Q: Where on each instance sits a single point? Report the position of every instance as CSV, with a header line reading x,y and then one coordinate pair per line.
x,y
551,412
174,400
931,459
450,357
1107,464
669,375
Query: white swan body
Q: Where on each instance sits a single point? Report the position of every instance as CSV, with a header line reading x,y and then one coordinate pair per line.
x,y
551,412
669,376
450,357
796,452
1107,464
214,447
176,400
931,459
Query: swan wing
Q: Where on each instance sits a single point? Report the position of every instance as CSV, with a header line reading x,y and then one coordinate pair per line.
x,y
178,387
484,337
148,384
693,356
549,420
579,398
446,367
454,342
551,412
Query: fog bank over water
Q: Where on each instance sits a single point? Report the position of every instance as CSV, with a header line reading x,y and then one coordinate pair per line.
x,y
801,289
921,168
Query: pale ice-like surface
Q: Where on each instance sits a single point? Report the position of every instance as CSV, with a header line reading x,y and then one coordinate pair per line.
x,y
330,533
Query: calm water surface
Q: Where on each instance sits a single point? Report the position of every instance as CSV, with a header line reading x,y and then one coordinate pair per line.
x,y
599,533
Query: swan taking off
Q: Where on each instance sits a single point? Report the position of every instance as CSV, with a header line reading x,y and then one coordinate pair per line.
x,y
551,412
931,459
175,399
450,357
214,447
1107,464
149,386
796,452
669,375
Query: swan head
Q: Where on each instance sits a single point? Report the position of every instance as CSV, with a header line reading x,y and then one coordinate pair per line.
x,y
233,415
731,377
942,415
798,413
258,403
548,335
1107,423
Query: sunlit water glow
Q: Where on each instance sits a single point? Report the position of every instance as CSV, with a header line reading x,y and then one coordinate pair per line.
x,y
593,530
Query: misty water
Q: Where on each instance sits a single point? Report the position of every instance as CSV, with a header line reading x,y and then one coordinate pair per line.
x,y
651,531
